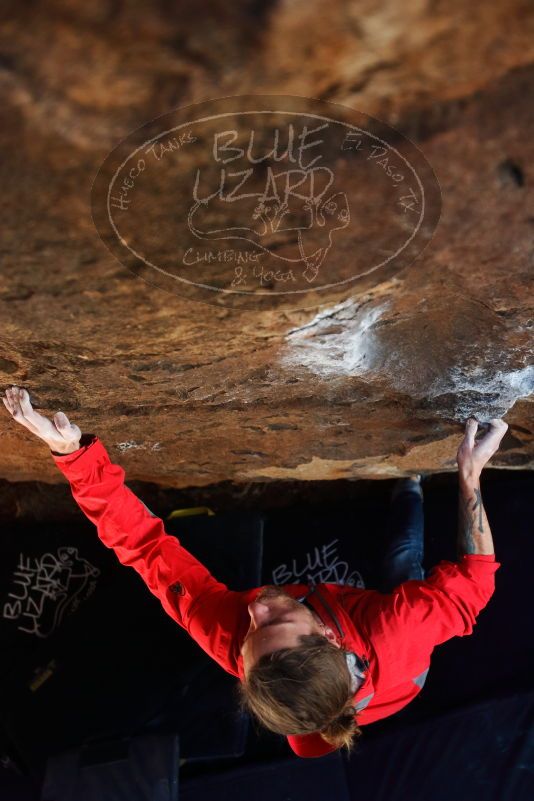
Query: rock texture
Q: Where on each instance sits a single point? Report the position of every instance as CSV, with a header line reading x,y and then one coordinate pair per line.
x,y
187,394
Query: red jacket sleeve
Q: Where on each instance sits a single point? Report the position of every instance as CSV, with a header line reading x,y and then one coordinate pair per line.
x,y
139,540
429,611
446,603
418,615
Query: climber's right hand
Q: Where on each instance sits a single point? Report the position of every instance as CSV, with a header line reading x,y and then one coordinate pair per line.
x,y
473,455
59,434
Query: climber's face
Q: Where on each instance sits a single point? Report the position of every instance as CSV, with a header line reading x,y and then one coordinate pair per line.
x,y
277,621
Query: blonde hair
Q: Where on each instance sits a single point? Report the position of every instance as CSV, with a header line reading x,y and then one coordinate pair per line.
x,y
302,690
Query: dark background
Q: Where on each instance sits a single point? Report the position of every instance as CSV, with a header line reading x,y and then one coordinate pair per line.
x,y
120,669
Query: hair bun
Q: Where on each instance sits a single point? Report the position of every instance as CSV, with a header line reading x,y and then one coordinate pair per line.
x,y
343,731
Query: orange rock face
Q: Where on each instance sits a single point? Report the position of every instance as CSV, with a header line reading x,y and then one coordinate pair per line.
x,y
373,384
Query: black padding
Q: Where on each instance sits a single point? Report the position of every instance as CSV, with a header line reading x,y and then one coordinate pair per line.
x,y
139,769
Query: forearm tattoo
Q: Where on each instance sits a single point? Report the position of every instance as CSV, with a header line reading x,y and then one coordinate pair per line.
x,y
466,543
478,505
473,535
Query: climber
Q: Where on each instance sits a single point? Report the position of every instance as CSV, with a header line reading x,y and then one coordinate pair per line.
x,y
315,662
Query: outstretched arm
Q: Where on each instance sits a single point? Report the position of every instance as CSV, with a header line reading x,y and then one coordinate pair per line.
x,y
447,602
474,533
186,589
60,435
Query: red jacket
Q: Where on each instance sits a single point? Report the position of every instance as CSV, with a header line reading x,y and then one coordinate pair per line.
x,y
396,633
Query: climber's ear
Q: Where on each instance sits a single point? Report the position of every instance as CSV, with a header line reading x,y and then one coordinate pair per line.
x,y
331,637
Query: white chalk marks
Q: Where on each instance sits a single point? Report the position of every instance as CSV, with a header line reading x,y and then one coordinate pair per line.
x,y
261,201
367,338
486,392
132,445
322,565
337,341
44,589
